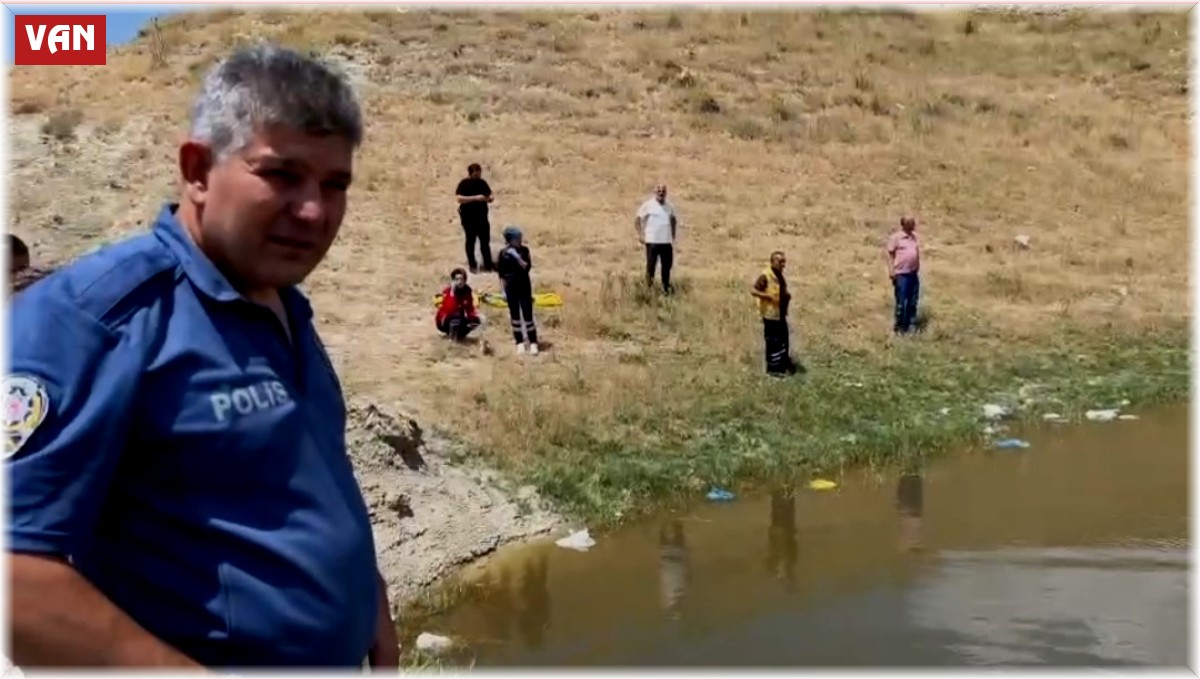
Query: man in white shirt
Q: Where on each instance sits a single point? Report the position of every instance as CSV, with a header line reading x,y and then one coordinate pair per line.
x,y
655,224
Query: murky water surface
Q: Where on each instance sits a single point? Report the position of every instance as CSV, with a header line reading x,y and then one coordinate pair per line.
x,y
1072,552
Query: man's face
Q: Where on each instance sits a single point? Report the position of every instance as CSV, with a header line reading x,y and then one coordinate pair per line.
x,y
271,211
778,262
660,193
475,174
908,225
458,281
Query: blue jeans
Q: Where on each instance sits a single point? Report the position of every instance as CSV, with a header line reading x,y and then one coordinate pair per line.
x,y
907,287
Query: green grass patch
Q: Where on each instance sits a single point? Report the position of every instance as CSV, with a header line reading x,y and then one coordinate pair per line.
x,y
917,401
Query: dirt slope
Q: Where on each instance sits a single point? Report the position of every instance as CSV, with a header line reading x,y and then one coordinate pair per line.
x,y
430,511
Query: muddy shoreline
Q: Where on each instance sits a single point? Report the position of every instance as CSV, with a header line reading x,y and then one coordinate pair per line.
x,y
433,510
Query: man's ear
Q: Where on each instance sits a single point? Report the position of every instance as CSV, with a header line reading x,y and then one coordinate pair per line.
x,y
195,164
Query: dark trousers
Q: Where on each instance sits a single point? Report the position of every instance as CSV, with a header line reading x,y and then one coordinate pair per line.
x,y
458,327
520,310
907,287
777,338
654,253
478,229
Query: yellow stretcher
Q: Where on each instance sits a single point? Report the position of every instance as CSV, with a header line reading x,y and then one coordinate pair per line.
x,y
541,300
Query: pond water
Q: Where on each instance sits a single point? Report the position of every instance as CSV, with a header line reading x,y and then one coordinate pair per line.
x,y
1071,552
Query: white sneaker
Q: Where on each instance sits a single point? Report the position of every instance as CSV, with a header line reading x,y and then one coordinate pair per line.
x,y
533,349
520,349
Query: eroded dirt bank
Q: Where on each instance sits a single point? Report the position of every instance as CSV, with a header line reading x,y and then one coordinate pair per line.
x,y
431,514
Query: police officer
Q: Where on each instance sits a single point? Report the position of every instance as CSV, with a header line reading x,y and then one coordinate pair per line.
x,y
181,493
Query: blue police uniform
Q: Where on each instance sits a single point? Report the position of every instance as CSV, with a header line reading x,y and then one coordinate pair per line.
x,y
188,459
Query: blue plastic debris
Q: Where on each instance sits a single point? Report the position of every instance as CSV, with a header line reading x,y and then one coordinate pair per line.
x,y
1012,443
720,495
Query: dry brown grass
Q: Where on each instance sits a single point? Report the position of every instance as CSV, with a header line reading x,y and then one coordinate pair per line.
x,y
806,131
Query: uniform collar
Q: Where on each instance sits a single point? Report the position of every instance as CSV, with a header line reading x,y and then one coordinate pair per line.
x,y
204,275
198,268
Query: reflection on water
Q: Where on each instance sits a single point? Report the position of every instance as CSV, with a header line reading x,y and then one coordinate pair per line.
x,y
673,567
782,548
534,614
1079,606
1073,552
909,505
510,603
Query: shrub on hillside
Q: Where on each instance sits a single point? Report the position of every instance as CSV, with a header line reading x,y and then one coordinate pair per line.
x,y
61,125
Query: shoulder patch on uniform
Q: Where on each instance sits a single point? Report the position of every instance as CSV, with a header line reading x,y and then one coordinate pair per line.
x,y
25,408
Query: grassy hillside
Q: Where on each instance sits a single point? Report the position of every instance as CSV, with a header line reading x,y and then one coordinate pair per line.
x,y
807,131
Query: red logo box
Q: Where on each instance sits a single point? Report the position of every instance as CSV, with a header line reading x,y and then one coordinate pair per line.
x,y
60,40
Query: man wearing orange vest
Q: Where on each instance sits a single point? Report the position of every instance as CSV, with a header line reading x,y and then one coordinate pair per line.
x,y
771,291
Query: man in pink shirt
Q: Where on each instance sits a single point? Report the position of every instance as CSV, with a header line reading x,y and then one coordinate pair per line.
x,y
904,265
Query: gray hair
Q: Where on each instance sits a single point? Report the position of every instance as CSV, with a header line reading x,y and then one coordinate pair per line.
x,y
266,84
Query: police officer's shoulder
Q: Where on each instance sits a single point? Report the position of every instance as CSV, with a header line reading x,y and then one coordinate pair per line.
x,y
110,283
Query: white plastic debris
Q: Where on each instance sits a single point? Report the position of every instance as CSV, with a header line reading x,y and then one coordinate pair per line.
x,y
434,643
1101,415
579,541
1127,417
1028,391
1023,241
1125,403
994,412
849,438
1052,417
944,411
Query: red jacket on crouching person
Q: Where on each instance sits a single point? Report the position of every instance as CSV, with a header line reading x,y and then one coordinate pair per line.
x,y
456,315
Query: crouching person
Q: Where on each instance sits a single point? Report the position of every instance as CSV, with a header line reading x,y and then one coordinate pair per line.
x,y
21,274
513,266
456,315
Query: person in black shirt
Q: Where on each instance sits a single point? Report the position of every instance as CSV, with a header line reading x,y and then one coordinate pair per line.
x,y
474,195
513,266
